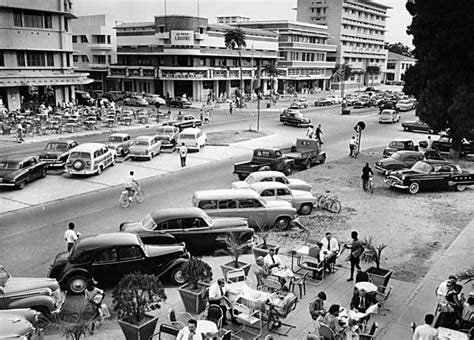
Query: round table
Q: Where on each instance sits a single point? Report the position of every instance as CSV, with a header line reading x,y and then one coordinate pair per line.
x,y
206,326
369,287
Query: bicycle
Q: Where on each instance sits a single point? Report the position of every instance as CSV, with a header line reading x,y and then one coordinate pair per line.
x,y
370,185
330,203
138,196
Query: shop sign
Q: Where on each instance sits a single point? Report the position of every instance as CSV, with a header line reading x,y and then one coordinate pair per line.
x,y
182,38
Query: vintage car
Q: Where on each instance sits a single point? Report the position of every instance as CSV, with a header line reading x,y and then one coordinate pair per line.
x,y
361,103
201,233
431,175
184,121
13,326
114,95
56,153
443,144
17,172
335,99
302,201
193,138
295,118
418,125
108,257
276,176
40,294
323,102
179,102
168,135
397,145
389,116
154,99
299,103
120,142
399,160
405,105
89,159
387,104
135,101
145,147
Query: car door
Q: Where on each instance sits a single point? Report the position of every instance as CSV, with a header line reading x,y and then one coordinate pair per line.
x,y
131,258
108,157
253,210
197,233
171,226
284,194
105,265
269,194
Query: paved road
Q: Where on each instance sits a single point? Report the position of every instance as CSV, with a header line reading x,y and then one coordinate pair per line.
x,y
30,237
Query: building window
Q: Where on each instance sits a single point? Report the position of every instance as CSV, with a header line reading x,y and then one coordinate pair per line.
x,y
17,19
49,59
20,59
35,59
74,39
32,19
2,59
48,21
108,39
85,59
201,30
100,39
84,39
75,58
109,59
66,24
99,59
162,29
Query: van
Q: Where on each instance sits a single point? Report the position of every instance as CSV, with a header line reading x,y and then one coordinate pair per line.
x,y
89,159
193,138
248,204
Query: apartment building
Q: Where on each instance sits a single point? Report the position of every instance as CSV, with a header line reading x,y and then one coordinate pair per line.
x,y
36,52
95,48
231,19
303,54
397,64
176,55
358,28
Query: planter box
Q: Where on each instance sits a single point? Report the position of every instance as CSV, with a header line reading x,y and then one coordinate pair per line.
x,y
379,277
230,266
194,301
258,250
141,332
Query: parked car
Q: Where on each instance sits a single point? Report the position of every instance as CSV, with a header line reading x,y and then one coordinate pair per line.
x,y
135,101
418,125
405,105
335,99
120,142
295,118
184,121
389,116
302,102
108,257
154,99
431,175
180,102
90,159
302,201
17,172
399,160
387,105
200,232
443,144
397,145
349,99
40,294
193,138
168,135
113,95
276,176
323,102
56,153
13,326
145,147
83,98
361,103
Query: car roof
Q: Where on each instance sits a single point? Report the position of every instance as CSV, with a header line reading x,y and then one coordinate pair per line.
x,y
437,162
62,141
401,140
165,214
147,138
89,146
266,174
390,111
118,134
409,152
190,130
260,186
225,194
107,240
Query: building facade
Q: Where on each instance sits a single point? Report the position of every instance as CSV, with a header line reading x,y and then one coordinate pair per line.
x,y
95,48
231,19
397,64
36,52
358,28
176,55
303,54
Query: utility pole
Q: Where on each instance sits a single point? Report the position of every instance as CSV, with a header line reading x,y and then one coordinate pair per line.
x,y
343,78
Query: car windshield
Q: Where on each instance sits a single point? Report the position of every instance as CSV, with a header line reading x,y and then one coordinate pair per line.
x,y
77,154
141,142
115,139
56,146
6,165
421,167
396,145
187,136
148,223
397,156
164,131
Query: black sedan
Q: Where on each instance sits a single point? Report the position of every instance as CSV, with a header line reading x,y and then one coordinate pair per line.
x,y
202,233
108,257
399,160
431,175
417,125
398,145
295,118
361,103
179,102
56,153
184,121
443,144
17,172
168,135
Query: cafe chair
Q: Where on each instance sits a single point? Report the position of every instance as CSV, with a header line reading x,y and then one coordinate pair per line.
x,y
371,332
312,264
179,320
325,332
225,334
248,318
214,314
166,332
300,282
272,313
271,283
235,275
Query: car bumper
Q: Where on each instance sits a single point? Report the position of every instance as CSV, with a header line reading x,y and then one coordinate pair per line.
x,y
52,162
379,168
141,155
61,298
7,184
79,172
395,184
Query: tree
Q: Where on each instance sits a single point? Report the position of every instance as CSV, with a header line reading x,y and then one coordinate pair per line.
x,y
235,38
399,48
441,78
338,70
272,71
371,70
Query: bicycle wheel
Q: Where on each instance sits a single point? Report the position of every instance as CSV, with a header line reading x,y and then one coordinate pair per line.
x,y
124,201
140,196
335,206
371,187
321,201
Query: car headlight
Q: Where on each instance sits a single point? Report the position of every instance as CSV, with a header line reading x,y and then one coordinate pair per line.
x,y
403,177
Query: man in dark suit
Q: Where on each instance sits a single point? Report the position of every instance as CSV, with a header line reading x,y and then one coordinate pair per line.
x,y
361,300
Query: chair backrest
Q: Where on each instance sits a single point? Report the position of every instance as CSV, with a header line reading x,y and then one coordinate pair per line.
x,y
166,329
373,328
270,337
236,275
325,332
227,335
214,313
291,306
172,315
271,283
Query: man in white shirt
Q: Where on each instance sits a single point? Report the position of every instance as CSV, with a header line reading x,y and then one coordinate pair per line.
x,y
272,260
183,152
217,295
131,184
189,332
330,249
70,236
426,331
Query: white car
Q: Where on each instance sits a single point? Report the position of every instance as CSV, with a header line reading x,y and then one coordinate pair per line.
x,y
154,99
389,116
145,147
302,201
193,138
335,99
405,105
272,176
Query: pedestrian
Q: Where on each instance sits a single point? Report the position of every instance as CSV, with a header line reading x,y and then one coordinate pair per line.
x,y
429,142
201,114
357,248
207,116
366,174
309,131
352,147
231,106
319,132
183,152
179,113
71,236
19,130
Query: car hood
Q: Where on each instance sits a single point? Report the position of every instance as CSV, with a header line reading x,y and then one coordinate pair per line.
x,y
53,153
20,284
240,185
113,144
406,172
299,184
302,194
387,161
138,148
229,222
131,227
5,174
164,137
13,326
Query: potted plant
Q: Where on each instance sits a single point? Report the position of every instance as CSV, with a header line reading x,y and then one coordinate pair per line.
x,y
134,296
262,248
195,292
236,246
373,254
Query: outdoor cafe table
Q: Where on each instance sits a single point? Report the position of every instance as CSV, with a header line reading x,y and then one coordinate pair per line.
x,y
242,293
283,273
206,327
451,334
369,287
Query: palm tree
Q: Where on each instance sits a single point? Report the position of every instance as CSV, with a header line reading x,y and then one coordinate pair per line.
x,y
371,70
272,71
235,38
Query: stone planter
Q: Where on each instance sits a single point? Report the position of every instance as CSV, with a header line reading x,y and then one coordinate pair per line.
x,y
379,277
194,300
227,267
258,250
139,332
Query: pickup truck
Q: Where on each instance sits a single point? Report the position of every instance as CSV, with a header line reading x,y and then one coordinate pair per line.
x,y
264,159
305,153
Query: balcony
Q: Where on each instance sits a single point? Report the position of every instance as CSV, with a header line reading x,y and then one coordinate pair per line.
x,y
103,47
307,47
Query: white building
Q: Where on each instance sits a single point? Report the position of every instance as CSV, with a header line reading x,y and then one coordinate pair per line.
x,y
397,64
231,19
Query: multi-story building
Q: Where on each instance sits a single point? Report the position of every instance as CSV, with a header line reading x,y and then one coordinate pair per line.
x,y
36,52
176,55
303,54
358,28
397,64
94,43
231,19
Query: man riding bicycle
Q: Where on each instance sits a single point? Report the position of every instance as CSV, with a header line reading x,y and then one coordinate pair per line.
x,y
131,185
367,173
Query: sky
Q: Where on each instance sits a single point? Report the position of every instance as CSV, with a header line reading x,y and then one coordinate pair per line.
x,y
145,10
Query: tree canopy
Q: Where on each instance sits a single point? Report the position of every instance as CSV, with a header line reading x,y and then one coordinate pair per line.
x,y
234,38
444,49
399,48
338,70
371,70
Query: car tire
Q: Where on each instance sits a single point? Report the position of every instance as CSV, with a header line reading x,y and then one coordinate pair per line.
x,y
43,173
76,284
460,187
405,128
288,170
414,188
282,223
306,209
99,171
307,164
122,153
21,185
177,276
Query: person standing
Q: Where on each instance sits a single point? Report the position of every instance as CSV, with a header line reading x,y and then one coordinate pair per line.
x,y
207,116
19,130
352,147
429,142
183,152
357,248
366,174
70,236
309,131
231,106
319,132
426,331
